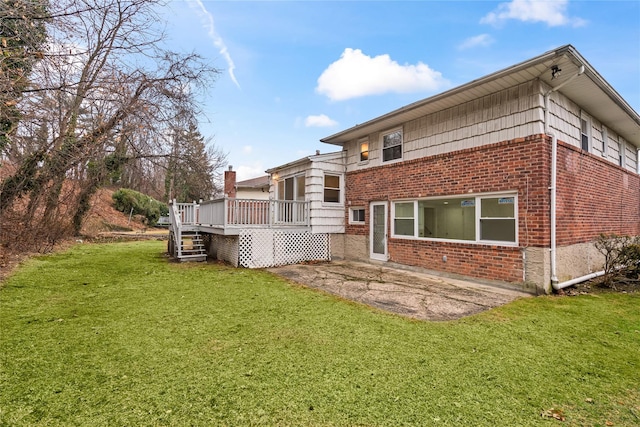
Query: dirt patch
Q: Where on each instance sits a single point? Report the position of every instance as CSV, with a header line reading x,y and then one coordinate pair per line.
x,y
597,286
103,216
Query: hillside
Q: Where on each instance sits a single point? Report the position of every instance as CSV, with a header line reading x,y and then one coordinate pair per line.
x,y
102,222
103,217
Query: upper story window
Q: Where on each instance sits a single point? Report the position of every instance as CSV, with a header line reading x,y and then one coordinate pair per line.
x,y
332,188
364,150
392,145
585,133
605,141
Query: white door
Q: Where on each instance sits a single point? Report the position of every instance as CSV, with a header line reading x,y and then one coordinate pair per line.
x,y
378,231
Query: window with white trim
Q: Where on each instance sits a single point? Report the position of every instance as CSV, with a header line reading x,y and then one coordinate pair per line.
x,y
364,150
332,188
585,132
498,219
403,218
486,218
356,215
392,145
291,188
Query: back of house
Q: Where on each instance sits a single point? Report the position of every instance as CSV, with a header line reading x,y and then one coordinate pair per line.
x,y
508,178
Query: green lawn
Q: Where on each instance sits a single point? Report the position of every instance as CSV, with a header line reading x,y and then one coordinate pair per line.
x,y
114,334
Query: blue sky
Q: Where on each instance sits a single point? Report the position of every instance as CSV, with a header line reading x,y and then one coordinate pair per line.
x,y
297,71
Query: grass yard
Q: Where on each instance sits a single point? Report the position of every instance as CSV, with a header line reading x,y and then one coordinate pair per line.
x,y
114,334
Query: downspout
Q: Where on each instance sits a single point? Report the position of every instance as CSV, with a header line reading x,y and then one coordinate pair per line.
x,y
554,177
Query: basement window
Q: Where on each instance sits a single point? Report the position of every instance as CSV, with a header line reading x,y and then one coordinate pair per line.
x,y
403,218
487,218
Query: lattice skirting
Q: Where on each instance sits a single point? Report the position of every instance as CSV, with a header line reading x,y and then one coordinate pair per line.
x,y
224,248
269,248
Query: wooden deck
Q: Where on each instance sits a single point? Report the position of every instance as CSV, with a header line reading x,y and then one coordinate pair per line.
x,y
229,216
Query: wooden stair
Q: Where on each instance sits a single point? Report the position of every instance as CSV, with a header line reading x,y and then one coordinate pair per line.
x,y
192,247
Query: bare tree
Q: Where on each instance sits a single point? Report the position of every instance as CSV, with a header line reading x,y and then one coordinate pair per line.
x,y
22,34
104,93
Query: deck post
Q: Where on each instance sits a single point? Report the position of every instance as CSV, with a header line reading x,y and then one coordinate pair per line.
x,y
225,211
272,213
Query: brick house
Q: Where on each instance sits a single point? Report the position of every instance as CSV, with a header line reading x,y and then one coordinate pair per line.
x,y
509,177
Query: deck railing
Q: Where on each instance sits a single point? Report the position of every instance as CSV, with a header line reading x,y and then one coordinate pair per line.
x,y
175,225
239,213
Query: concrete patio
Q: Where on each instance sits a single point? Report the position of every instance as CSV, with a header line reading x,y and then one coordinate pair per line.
x,y
415,294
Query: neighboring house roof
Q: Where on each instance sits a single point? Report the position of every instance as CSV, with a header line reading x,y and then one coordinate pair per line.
x,y
590,91
254,183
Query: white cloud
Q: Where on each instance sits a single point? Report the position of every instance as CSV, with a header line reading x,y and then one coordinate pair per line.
x,y
213,35
356,74
244,172
551,12
321,120
247,149
482,40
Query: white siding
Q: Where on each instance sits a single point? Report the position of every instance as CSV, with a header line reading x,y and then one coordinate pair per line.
x,y
631,157
501,116
508,114
324,217
564,120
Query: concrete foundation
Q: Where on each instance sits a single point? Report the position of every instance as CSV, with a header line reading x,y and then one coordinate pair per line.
x,y
571,262
356,248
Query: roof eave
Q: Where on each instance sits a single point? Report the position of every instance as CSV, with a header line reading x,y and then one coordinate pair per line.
x,y
361,130
338,138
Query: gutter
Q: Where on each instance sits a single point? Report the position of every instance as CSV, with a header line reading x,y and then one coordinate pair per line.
x,y
554,177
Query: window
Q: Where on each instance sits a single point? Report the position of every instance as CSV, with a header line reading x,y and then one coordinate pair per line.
x,y
332,188
291,188
300,183
497,219
450,218
356,216
364,151
585,133
485,218
392,145
403,219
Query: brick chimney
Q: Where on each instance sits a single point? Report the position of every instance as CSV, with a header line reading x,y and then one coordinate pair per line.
x,y
230,182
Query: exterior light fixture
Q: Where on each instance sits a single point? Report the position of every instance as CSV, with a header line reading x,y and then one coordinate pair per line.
x,y
555,72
